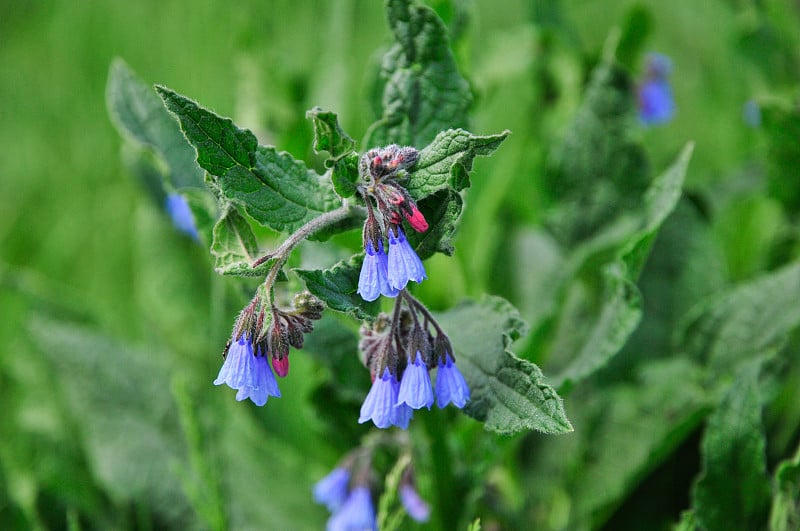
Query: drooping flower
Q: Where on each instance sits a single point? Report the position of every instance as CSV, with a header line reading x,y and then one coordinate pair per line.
x,y
265,383
331,490
414,505
356,514
182,217
380,406
654,94
450,384
416,390
404,264
374,280
238,370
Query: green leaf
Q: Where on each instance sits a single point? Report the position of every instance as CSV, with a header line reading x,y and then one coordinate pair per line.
x,y
441,210
785,512
508,394
274,189
600,169
447,161
747,321
235,247
344,175
423,92
733,490
782,129
337,288
328,135
140,116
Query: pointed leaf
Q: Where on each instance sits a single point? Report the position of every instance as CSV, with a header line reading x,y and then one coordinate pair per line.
x,y
234,246
139,115
337,288
275,189
508,394
733,490
447,161
423,92
328,135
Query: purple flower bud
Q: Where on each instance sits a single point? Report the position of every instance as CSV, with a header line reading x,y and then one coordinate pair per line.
x,y
331,490
356,514
415,506
404,264
654,95
450,384
374,280
415,386
182,217
380,406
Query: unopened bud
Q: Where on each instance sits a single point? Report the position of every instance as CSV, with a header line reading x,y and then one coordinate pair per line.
x,y
417,220
281,366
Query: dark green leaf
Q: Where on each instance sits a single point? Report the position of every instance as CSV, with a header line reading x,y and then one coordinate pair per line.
x,y
441,210
636,29
447,161
508,394
423,92
328,135
733,490
785,513
275,189
337,288
139,115
744,322
600,169
235,248
782,128
344,175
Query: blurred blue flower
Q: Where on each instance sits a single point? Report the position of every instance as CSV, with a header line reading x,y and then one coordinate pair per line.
x,y
332,489
404,264
265,383
356,514
751,113
450,384
380,406
373,280
415,506
654,94
415,386
182,217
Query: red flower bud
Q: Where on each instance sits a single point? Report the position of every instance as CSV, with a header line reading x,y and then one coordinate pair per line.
x,y
417,220
281,366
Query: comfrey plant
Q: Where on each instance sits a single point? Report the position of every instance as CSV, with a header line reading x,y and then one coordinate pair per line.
x,y
405,193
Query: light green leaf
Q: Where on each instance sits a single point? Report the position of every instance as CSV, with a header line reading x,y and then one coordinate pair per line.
x,y
140,116
234,246
508,394
733,490
344,174
274,189
785,512
745,322
423,92
328,134
337,288
447,161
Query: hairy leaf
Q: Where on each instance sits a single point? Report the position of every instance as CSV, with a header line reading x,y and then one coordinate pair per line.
x,y
140,116
275,189
328,134
423,92
447,161
234,246
508,394
337,288
344,174
733,490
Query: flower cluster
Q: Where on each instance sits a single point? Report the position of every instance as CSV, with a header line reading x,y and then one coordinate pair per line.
x,y
385,273
654,94
264,331
401,353
347,494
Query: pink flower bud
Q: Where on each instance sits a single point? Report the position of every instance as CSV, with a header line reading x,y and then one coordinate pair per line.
x,y
417,220
281,366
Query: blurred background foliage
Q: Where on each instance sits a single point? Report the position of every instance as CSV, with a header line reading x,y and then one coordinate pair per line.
x,y
112,321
